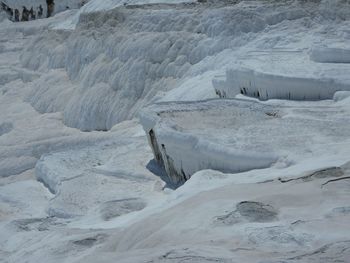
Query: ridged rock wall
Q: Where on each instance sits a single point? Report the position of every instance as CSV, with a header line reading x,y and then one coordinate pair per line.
x,y
22,10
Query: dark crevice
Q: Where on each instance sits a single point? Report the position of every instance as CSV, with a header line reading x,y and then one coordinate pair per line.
x,y
321,250
158,170
155,147
337,179
50,7
323,173
176,177
51,190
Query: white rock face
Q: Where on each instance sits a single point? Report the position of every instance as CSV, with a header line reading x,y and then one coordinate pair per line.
x,y
79,182
276,79
223,135
119,60
184,150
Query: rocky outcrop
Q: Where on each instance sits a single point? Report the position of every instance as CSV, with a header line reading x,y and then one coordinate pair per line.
x,y
21,10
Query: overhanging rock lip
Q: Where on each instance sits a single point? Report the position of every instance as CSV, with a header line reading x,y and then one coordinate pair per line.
x,y
182,153
287,74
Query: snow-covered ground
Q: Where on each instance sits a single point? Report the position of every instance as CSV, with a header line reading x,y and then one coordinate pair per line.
x,y
86,93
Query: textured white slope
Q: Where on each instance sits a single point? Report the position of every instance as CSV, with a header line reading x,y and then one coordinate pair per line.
x,y
94,180
98,5
122,59
108,202
251,221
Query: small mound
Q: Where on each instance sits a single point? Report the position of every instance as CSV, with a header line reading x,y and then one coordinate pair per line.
x,y
89,241
115,208
256,211
248,211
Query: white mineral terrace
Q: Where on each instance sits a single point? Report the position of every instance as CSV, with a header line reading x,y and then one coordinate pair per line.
x,y
175,131
288,74
239,135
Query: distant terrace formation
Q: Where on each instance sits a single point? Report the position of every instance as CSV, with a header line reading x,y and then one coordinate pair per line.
x,y
26,11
